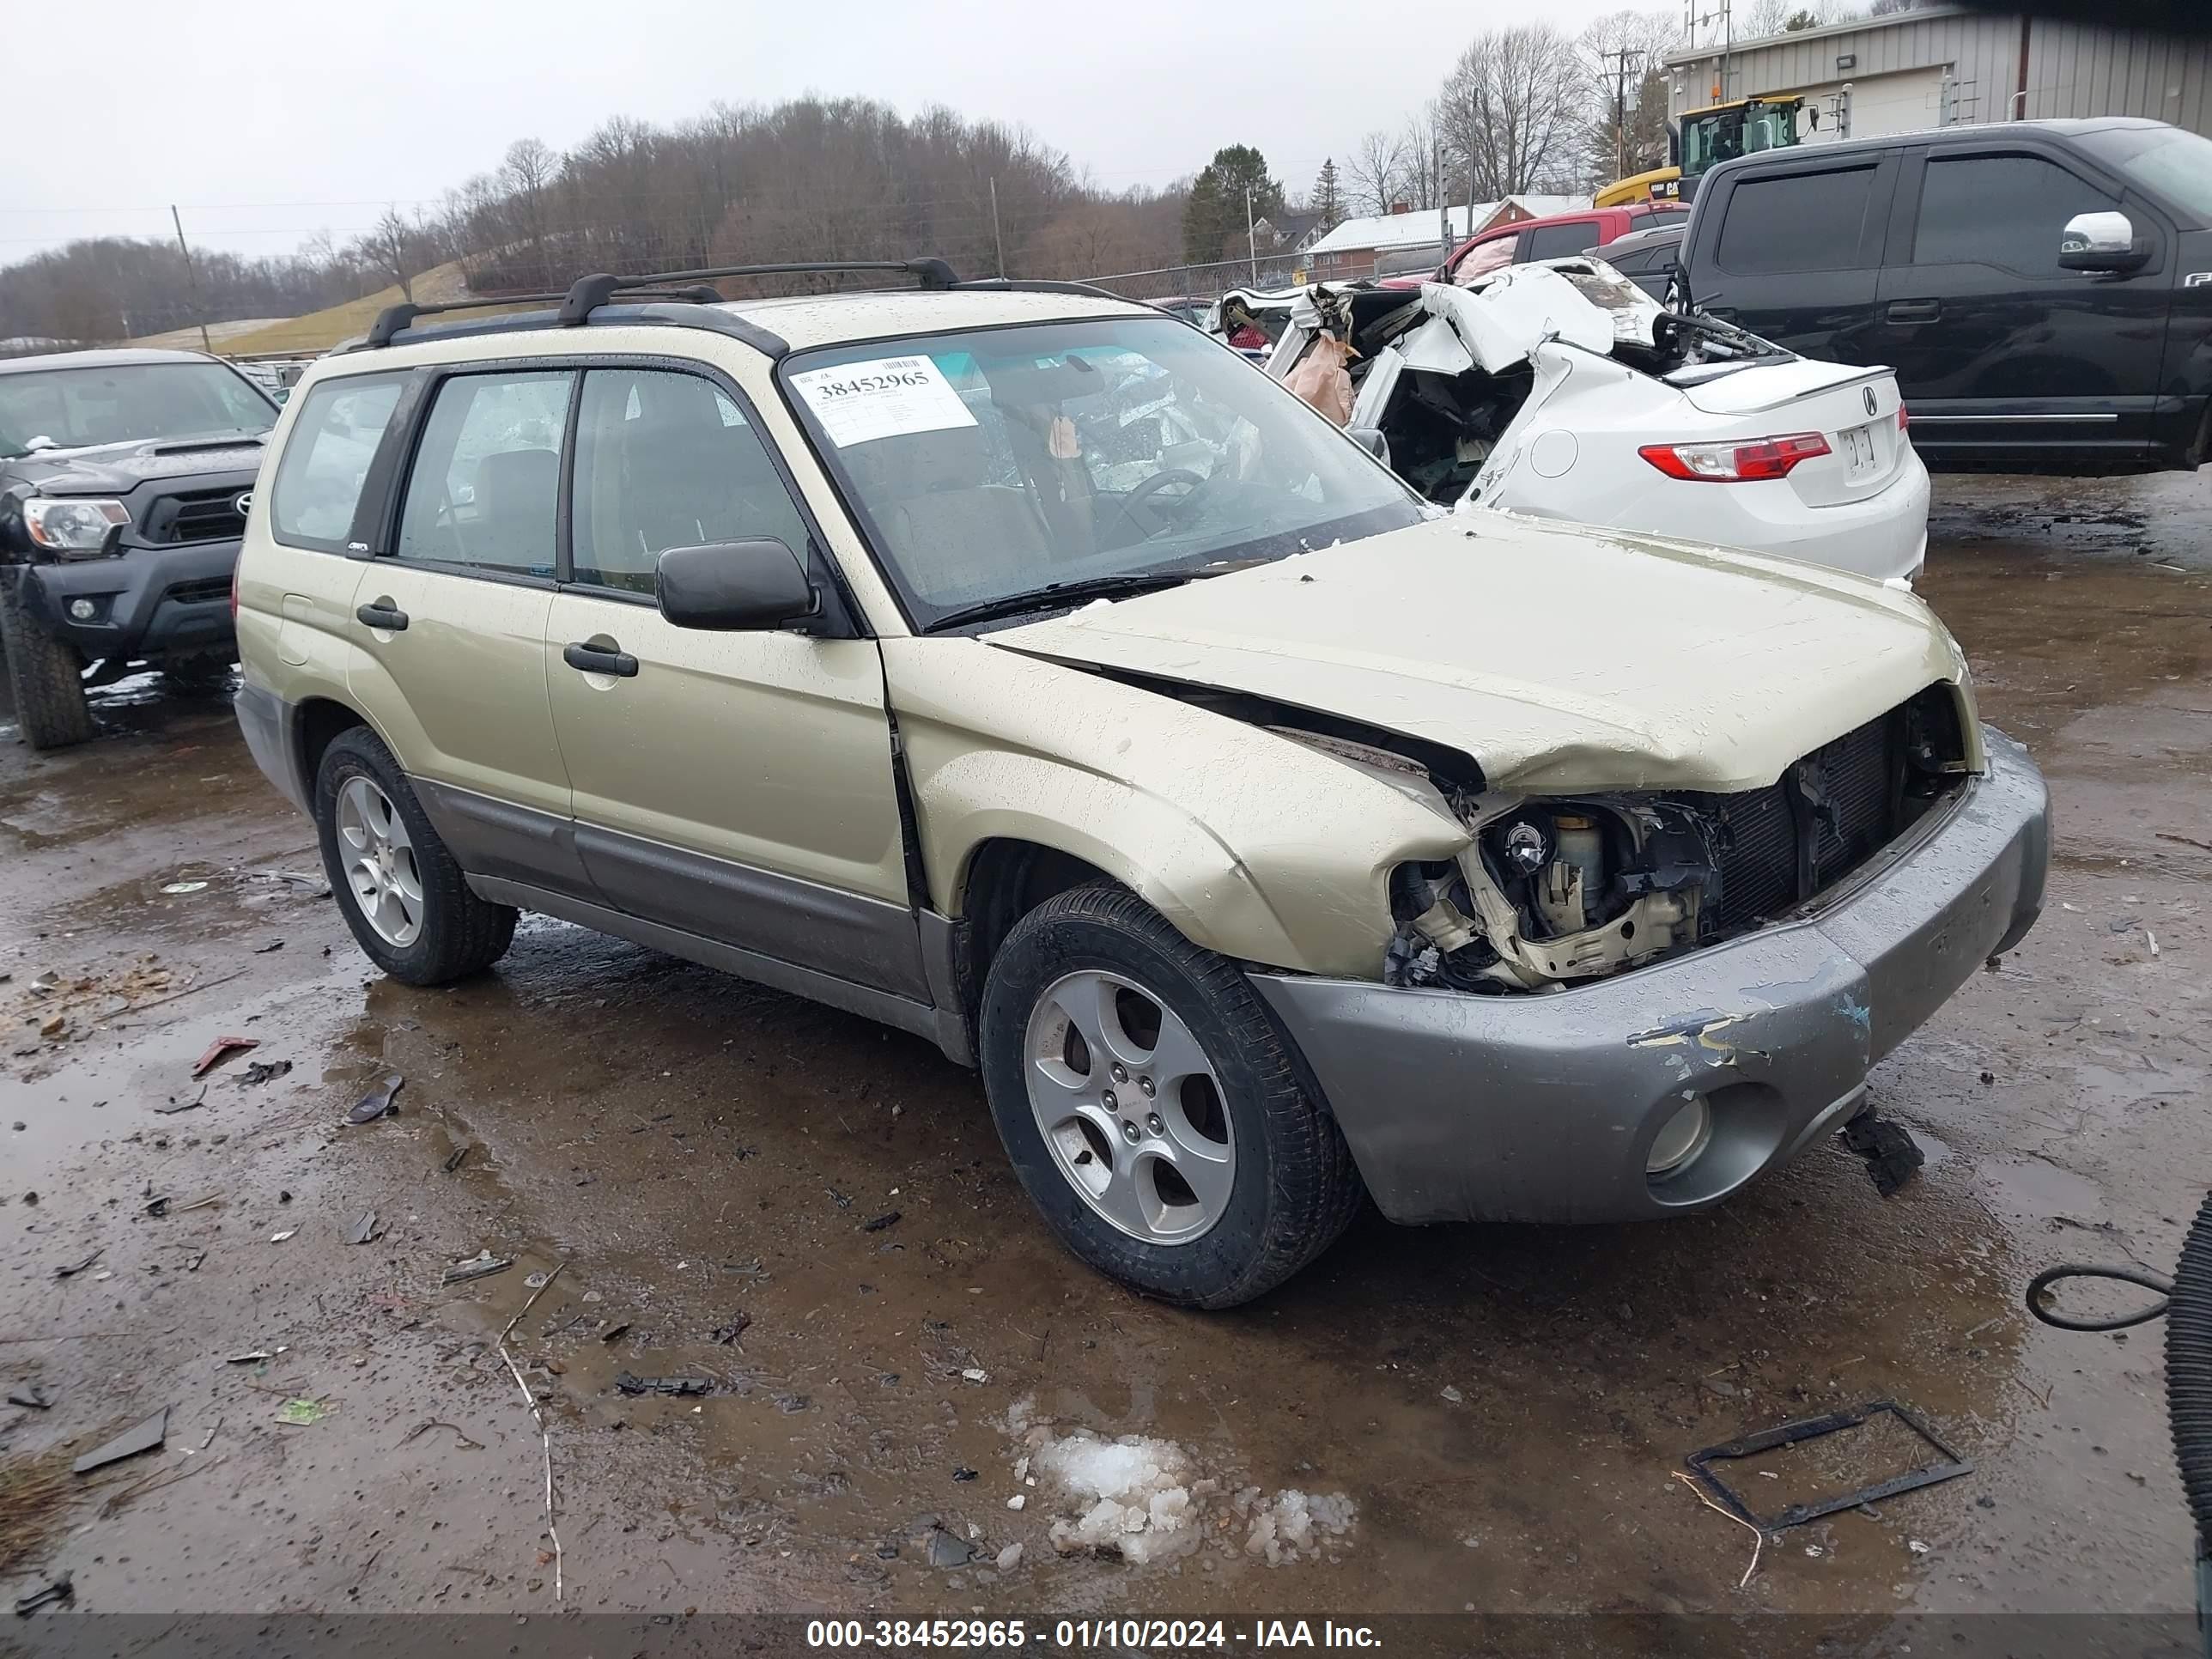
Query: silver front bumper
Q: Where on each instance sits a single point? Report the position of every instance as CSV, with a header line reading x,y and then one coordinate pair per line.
x,y
1546,1107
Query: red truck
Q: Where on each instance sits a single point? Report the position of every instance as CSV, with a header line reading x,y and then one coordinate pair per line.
x,y
1558,237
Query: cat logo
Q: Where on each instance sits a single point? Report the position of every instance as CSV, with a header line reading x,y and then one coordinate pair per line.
x,y
2197,279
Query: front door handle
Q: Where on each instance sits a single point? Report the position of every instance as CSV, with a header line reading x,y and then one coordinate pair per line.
x,y
608,659
380,612
1913,311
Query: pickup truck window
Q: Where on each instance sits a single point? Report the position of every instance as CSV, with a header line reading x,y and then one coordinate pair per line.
x,y
1562,241
2167,162
127,403
2005,210
1796,221
995,465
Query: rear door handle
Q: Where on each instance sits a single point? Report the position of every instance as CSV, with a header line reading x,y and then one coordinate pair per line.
x,y
1913,310
382,613
595,659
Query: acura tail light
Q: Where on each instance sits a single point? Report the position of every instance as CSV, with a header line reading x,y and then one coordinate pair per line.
x,y
1764,458
1904,418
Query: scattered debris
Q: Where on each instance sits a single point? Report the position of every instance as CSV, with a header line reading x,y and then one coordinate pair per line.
x,y
378,1102
1891,1156
221,1049
365,1231
459,1156
197,1204
176,1105
278,1238
791,1404
1450,1394
1759,1538
615,1333
536,1281
1948,1467
1915,1546
249,1358
976,1373
889,1218
265,949
963,1472
2186,840
179,888
301,1413
545,1434
423,1428
946,1550
1011,1557
729,1332
483,1265
31,1395
144,1437
2151,939
262,1071
685,1386
76,1267
1019,1500
58,1589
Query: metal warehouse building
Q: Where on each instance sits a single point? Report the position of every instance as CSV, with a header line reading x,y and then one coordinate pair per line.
x,y
1940,65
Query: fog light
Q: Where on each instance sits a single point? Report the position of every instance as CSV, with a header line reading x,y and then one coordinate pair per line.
x,y
82,610
1682,1139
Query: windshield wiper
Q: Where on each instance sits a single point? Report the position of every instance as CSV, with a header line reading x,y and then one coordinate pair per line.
x,y
1058,595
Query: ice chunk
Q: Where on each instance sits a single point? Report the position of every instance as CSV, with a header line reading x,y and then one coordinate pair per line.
x,y
1293,1525
1137,1491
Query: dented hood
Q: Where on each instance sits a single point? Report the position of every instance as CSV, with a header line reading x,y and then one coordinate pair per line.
x,y
1560,658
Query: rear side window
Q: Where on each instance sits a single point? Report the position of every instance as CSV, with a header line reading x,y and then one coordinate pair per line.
x,y
2005,210
487,479
1798,221
327,455
1561,241
664,460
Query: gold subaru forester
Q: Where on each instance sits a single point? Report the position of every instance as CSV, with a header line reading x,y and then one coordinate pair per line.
x,y
1018,665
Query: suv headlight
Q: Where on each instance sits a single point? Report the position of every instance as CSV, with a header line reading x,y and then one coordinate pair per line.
x,y
77,528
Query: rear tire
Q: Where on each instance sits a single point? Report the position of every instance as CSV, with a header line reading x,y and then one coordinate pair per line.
x,y
405,899
47,679
1271,1183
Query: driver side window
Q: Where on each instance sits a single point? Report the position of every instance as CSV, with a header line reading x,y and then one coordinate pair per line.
x,y
486,484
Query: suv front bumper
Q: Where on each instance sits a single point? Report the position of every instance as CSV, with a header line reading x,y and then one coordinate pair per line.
x,y
148,601
1546,1108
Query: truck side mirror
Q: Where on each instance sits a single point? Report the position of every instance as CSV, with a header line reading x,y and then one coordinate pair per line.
x,y
2102,242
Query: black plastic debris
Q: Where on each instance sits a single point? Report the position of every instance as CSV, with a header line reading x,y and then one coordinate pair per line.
x,y
31,1396
615,1333
791,1404
889,1218
76,1267
57,1589
176,1106
459,1156
963,1472
1892,1157
684,1386
262,1071
265,949
363,1231
729,1332
378,1100
1948,1467
477,1266
143,1437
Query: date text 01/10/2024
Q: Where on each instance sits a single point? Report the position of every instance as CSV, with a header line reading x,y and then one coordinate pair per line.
x,y
1084,1635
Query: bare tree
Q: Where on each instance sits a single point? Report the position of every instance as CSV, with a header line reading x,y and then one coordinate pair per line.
x,y
1765,17
1623,55
1373,171
395,249
1511,112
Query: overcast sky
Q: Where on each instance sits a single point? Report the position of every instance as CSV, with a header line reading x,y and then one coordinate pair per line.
x,y
270,119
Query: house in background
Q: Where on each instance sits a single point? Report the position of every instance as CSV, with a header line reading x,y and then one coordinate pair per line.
x,y
1291,231
1406,239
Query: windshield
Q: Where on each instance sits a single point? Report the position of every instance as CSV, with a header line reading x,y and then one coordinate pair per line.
x,y
126,403
2174,166
995,465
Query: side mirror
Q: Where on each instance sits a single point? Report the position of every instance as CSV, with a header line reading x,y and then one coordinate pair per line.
x,y
2103,242
1370,438
732,586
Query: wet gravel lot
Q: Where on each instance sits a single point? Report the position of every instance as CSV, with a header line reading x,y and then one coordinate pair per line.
x,y
1503,1407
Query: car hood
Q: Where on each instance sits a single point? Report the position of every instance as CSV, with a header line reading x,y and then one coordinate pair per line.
x,y
1560,658
117,469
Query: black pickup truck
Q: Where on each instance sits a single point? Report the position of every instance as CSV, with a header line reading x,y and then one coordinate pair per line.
x,y
2041,289
124,481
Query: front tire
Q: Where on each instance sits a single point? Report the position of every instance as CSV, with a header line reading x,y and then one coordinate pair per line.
x,y
405,899
1152,1108
47,679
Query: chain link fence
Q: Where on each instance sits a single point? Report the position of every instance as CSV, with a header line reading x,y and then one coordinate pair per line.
x,y
1206,282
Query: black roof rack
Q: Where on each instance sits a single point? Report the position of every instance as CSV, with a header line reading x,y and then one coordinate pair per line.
x,y
392,319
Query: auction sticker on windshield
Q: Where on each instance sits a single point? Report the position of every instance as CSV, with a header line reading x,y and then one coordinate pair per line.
x,y
883,397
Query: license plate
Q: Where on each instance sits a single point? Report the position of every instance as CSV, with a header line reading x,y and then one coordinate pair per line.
x,y
1858,451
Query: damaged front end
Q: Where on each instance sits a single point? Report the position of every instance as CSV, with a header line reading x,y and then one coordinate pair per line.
x,y
1550,892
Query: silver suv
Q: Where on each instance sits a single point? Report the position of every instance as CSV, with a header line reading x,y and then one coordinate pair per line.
x,y
1014,664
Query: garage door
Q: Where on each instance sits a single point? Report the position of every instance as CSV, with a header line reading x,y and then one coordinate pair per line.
x,y
1882,105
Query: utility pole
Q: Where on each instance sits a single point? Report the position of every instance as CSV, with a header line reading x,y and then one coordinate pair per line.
x,y
997,239
192,277
1251,237
1620,60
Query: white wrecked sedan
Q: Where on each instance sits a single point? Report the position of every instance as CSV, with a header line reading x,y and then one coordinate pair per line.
x,y
1561,390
